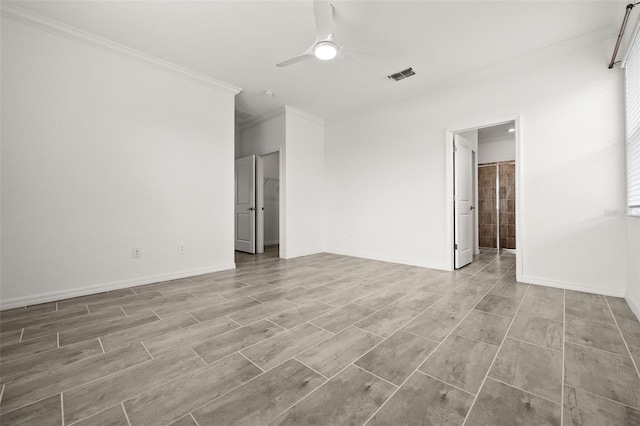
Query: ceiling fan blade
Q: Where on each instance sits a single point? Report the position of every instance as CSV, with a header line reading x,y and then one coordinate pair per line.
x,y
323,12
295,60
357,55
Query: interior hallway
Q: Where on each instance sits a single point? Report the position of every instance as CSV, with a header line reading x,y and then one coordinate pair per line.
x,y
325,339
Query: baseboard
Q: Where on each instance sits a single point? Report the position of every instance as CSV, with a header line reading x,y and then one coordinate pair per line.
x,y
570,286
270,243
634,307
302,253
409,262
18,302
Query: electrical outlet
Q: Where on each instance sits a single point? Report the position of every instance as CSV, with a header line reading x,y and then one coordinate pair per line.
x,y
182,248
136,253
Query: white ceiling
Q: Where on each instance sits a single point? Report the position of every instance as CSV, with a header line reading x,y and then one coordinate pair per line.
x,y
239,42
496,133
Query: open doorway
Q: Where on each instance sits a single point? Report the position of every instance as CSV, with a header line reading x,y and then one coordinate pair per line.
x,y
269,201
496,187
484,185
258,204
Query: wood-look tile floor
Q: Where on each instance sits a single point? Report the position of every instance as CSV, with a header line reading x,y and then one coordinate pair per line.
x,y
325,339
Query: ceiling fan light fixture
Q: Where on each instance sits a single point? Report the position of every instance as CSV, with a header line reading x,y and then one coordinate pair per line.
x,y
325,50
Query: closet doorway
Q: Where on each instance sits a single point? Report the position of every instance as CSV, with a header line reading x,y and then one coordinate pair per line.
x,y
497,187
269,194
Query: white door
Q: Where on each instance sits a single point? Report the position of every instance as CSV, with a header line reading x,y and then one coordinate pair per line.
x,y
245,213
463,204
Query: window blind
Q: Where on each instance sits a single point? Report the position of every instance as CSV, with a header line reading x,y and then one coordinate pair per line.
x,y
632,95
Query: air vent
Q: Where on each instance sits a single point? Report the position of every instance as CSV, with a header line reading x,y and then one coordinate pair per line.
x,y
402,74
243,115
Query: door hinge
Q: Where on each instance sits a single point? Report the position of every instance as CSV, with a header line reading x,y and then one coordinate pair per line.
x,y
455,247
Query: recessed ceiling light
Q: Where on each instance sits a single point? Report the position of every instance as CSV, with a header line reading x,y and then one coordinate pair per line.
x,y
269,93
325,50
511,130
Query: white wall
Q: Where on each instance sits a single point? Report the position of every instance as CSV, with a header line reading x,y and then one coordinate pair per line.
x,y
386,171
633,264
101,154
263,137
305,184
300,139
496,150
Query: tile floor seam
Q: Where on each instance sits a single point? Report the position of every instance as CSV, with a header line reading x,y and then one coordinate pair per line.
x,y
28,404
147,350
371,332
62,407
259,319
102,347
291,357
238,386
582,300
602,350
497,352
525,391
126,416
58,340
453,333
328,331
197,320
493,313
21,335
194,419
206,364
111,374
589,319
605,398
418,335
633,361
433,351
312,369
313,391
2,393
235,322
121,308
446,383
564,343
535,344
368,372
244,356
306,322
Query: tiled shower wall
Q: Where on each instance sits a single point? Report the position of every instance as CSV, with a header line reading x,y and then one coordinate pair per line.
x,y
488,220
507,205
487,217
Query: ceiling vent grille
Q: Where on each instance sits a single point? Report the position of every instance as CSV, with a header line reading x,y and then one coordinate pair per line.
x,y
402,74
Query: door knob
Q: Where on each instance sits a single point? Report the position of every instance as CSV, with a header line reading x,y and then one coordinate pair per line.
x,y
472,208
251,208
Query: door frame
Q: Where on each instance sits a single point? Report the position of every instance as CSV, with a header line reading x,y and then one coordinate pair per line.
x,y
449,200
260,202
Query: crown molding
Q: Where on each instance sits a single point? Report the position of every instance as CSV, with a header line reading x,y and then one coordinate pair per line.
x,y
277,113
88,39
261,119
583,41
302,114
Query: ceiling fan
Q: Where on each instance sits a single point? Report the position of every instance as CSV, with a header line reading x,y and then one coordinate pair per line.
x,y
324,47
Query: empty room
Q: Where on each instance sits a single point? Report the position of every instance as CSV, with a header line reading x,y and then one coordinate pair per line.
x,y
319,213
